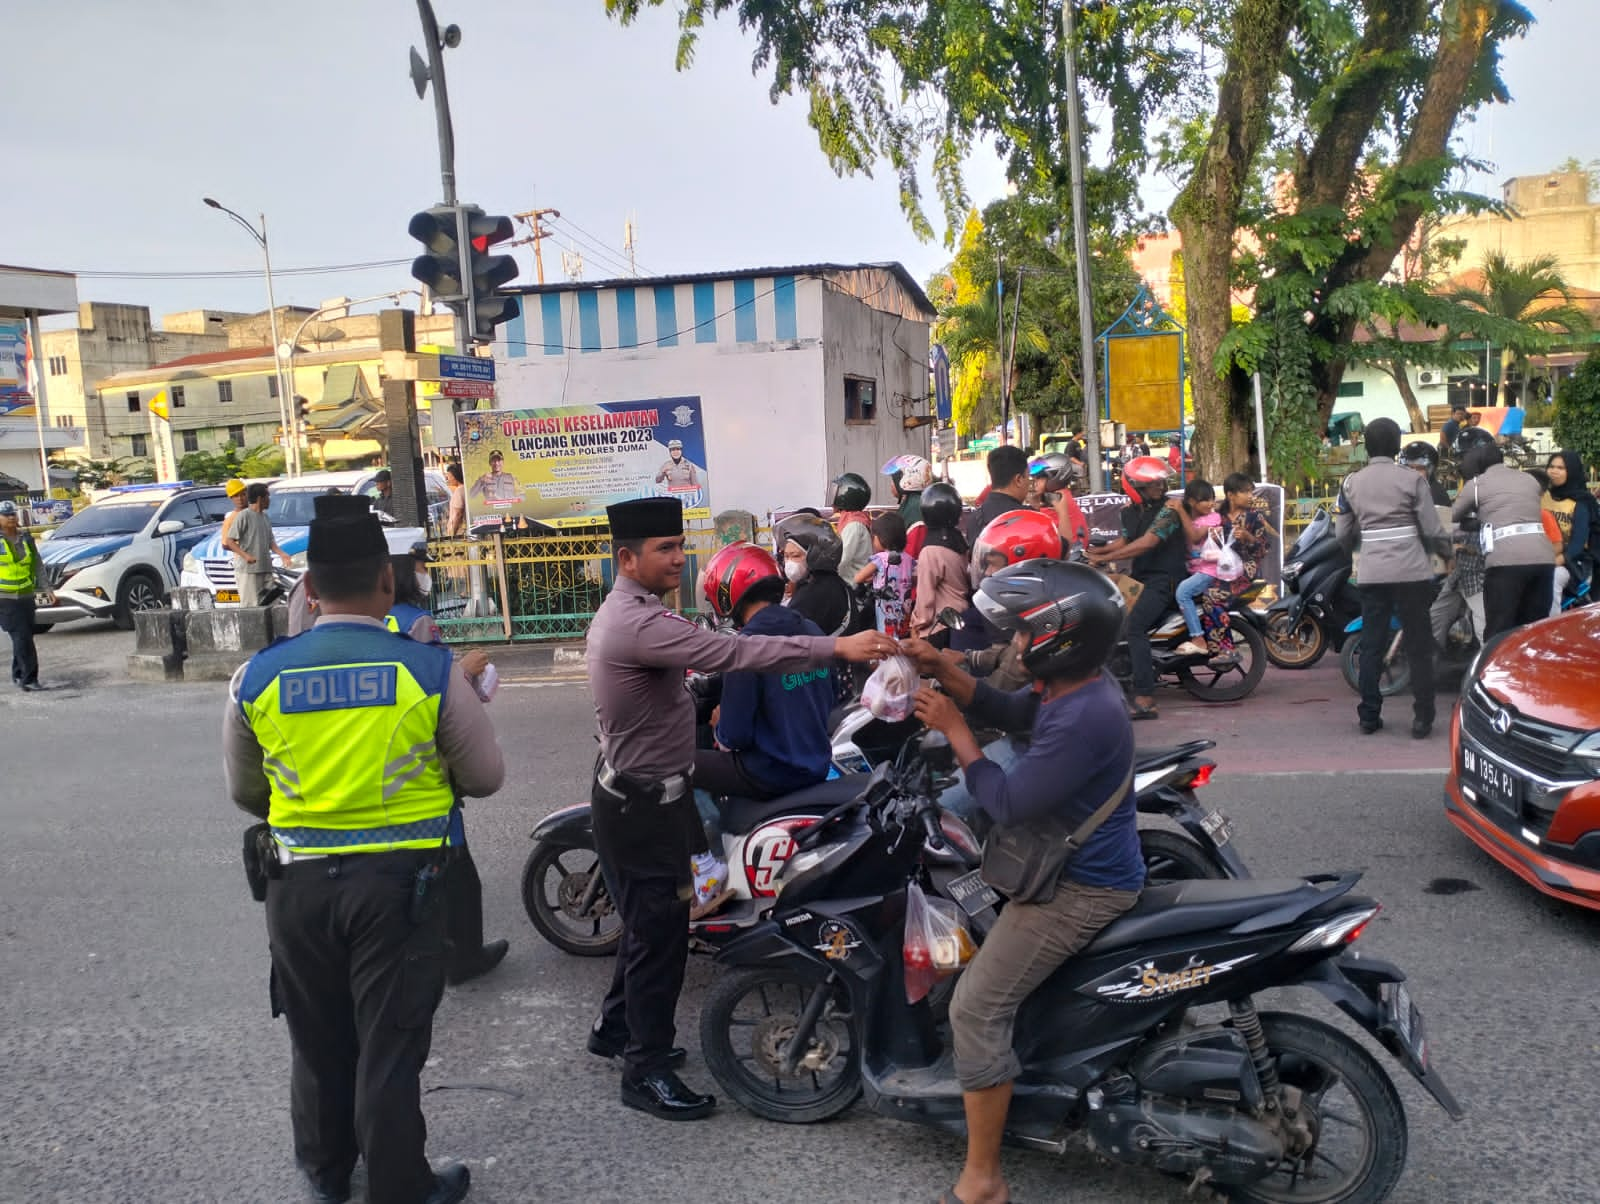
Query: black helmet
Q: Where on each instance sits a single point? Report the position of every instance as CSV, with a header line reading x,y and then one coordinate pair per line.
x,y
1471,437
1479,457
1420,454
851,491
1071,613
941,505
823,547
1053,471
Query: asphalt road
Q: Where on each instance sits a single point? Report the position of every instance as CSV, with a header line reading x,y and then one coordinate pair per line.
x,y
141,1063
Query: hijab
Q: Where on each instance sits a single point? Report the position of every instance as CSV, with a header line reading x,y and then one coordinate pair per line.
x,y
1577,485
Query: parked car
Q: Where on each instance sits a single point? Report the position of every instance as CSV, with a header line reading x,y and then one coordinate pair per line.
x,y
1524,780
209,566
124,552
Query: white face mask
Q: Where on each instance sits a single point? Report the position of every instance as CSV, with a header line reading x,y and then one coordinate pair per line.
x,y
425,583
795,570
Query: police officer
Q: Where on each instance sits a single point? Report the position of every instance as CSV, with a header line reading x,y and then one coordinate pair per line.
x,y
347,739
1387,512
19,585
676,472
644,813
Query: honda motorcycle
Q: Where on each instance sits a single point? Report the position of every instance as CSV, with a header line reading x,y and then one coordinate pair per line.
x,y
1266,1106
1206,678
1318,600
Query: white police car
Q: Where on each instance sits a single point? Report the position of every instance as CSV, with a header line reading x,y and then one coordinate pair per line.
x,y
123,553
291,505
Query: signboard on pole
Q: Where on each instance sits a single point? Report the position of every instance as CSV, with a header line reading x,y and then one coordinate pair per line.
x,y
465,367
563,465
161,451
466,388
15,399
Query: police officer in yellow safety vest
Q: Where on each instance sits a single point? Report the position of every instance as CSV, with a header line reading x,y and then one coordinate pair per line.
x,y
351,742
19,584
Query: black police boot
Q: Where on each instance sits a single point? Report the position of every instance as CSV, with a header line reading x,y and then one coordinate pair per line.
x,y
450,1183
1421,728
475,966
1368,726
603,1046
665,1095
327,1189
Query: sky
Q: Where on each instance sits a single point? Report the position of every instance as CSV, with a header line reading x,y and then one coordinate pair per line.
x,y
126,114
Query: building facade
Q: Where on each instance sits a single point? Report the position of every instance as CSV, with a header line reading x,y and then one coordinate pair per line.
x,y
28,435
1547,215
802,372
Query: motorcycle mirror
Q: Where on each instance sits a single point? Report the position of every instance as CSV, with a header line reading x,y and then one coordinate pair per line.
x,y
952,619
936,751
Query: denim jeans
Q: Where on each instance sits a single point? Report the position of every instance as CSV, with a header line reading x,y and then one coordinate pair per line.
x,y
1188,591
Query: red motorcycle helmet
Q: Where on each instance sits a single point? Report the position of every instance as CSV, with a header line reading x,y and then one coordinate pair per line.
x,y
734,572
1140,472
1015,536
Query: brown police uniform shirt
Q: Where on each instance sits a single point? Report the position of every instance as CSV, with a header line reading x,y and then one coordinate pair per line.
x,y
1386,513
1505,498
637,653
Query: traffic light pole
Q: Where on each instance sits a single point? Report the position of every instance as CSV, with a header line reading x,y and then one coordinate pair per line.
x,y
1080,243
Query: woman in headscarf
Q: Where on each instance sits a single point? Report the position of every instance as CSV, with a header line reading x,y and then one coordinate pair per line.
x,y
1577,514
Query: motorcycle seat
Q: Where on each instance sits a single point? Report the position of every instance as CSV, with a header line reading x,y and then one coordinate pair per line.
x,y
1180,908
747,814
1146,759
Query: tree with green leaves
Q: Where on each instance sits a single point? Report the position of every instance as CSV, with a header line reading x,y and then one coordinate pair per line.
x,y
101,474
1353,104
1534,303
1577,421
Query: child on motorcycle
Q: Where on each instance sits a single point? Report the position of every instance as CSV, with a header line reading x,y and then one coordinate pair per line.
x,y
1197,510
893,574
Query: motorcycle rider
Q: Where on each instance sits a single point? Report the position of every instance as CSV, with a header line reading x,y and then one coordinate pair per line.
x,y
1012,538
1387,512
851,493
771,728
1423,457
1152,536
908,477
811,551
1052,476
1080,757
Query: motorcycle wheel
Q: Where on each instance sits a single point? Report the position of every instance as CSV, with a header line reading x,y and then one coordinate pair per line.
x,y
1235,681
1297,647
554,880
745,1023
1357,1121
1395,677
1174,857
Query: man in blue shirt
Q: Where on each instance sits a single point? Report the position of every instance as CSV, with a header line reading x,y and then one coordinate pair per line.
x,y
1067,617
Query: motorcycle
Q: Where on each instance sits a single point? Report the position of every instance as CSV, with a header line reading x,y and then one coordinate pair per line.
x,y
1461,645
1318,601
1206,679
1267,1106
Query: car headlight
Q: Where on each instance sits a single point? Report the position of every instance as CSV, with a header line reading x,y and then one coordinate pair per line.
x,y
190,564
1589,749
298,561
88,562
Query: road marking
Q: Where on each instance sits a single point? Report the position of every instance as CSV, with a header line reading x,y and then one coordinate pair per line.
x,y
1331,773
544,685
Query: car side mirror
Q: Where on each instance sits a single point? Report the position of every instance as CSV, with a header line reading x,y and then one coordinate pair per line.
x,y
952,619
168,526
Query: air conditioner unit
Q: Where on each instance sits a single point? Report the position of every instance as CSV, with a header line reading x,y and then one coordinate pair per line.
x,y
1430,378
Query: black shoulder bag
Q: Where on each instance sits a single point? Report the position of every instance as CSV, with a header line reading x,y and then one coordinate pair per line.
x,y
1024,861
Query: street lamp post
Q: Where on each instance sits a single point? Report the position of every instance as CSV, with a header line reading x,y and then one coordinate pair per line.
x,y
287,349
272,316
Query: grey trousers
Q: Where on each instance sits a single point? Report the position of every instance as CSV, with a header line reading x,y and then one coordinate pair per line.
x,y
1025,946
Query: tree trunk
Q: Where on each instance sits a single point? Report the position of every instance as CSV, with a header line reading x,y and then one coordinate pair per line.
x,y
1207,216
1402,380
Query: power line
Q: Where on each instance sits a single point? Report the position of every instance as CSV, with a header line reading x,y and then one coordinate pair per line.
x,y
241,273
573,246
595,241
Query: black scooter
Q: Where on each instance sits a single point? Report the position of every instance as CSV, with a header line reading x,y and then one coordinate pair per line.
x,y
1267,1106
1318,601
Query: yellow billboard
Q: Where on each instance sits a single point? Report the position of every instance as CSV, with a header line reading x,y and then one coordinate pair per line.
x,y
1144,376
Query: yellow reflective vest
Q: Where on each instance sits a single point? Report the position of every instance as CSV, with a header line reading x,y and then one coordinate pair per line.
x,y
19,575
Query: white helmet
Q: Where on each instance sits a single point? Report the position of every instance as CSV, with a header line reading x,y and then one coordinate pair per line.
x,y
915,473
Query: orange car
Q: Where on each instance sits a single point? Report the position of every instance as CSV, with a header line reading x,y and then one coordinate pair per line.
x,y
1524,778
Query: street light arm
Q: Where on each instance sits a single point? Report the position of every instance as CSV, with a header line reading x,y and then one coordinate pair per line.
x,y
294,341
260,237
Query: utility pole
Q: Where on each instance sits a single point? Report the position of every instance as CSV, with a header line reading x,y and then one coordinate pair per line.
x,y
627,245
432,72
397,331
1000,337
1011,362
536,231
1080,241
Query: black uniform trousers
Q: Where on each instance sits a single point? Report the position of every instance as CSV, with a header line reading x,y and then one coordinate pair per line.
x,y
643,847
16,620
358,981
1412,601
1152,605
1514,594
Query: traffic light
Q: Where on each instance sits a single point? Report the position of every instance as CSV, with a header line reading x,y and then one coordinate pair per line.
x,y
458,268
302,412
488,307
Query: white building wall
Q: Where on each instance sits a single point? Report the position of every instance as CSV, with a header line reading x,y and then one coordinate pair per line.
x,y
1380,396
893,353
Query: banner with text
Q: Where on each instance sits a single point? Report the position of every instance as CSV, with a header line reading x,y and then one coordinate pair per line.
x,y
16,401
564,465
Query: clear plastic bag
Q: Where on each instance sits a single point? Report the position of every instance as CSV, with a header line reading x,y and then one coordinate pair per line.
x,y
1229,565
892,689
937,943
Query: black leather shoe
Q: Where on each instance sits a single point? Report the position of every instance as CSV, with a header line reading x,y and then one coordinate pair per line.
x,y
490,956
664,1095
1368,726
1421,728
325,1191
600,1047
34,687
450,1184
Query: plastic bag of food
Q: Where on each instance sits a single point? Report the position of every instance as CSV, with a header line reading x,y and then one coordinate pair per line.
x,y
1230,565
937,943
892,689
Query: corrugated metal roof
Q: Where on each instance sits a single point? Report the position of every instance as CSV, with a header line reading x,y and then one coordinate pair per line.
x,y
898,270
213,357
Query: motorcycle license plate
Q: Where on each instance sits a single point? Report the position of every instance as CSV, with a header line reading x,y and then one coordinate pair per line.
x,y
1401,1017
227,595
1217,826
1493,784
972,894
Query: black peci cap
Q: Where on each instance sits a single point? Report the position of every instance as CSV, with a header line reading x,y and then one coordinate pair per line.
x,y
646,518
344,529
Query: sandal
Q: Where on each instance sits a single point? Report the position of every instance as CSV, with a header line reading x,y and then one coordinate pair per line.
x,y
1135,711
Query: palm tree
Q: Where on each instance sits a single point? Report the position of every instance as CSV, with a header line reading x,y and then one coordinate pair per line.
x,y
1534,298
970,332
